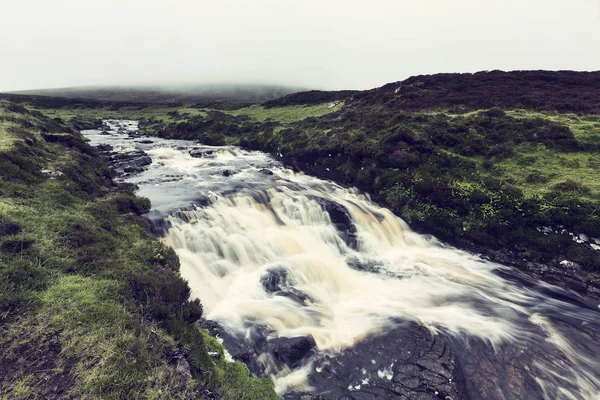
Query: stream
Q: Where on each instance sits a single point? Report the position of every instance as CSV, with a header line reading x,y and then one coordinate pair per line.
x,y
318,287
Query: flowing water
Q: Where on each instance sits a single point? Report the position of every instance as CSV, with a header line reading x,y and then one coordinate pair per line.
x,y
276,254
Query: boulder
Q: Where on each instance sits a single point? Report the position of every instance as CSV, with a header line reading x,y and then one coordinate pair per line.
x,y
291,351
104,148
340,217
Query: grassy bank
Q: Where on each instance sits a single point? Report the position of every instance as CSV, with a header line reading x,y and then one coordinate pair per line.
x,y
91,306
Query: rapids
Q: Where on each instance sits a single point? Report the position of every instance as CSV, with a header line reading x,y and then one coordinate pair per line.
x,y
276,254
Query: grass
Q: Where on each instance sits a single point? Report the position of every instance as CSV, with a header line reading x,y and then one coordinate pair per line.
x,y
257,113
584,127
285,115
91,306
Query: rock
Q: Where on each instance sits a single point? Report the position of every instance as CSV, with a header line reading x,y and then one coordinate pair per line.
x,y
275,280
227,172
294,294
130,162
146,141
199,153
340,217
291,351
183,371
51,174
104,148
265,171
364,265
404,362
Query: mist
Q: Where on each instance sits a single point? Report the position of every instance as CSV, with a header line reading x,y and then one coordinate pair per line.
x,y
310,44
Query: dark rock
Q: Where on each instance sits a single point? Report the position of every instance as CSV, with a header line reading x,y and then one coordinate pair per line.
x,y
130,162
199,153
340,217
265,171
146,141
227,172
291,351
275,280
104,147
294,294
213,327
364,265
405,362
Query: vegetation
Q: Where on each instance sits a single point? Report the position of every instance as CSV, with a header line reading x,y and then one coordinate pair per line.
x,y
91,306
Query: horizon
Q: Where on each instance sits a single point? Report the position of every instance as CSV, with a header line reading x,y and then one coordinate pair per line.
x,y
326,46
230,85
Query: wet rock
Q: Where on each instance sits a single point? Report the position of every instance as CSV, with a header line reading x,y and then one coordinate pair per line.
x,y
159,225
364,265
146,141
294,294
340,217
131,162
265,171
405,362
291,351
275,280
104,148
227,172
199,153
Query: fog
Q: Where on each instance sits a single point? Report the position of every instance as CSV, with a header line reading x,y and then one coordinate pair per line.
x,y
335,44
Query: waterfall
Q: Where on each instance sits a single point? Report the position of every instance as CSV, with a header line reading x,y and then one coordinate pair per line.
x,y
279,254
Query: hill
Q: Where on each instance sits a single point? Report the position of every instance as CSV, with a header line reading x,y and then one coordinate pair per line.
x,y
180,94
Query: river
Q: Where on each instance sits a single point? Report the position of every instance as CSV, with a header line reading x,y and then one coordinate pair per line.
x,y
330,294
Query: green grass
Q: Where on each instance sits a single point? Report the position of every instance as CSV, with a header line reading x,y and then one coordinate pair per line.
x,y
90,303
539,170
285,115
67,114
584,127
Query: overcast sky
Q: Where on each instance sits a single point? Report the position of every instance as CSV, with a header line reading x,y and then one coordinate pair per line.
x,y
333,44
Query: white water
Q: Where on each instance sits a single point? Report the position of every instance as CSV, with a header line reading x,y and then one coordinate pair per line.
x,y
256,223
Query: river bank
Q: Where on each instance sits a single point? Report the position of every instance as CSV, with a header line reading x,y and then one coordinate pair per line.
x,y
91,305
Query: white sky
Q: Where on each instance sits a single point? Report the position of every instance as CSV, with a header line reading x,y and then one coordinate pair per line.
x,y
335,44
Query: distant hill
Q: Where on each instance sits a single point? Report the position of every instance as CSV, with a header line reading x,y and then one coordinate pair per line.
x,y
181,94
